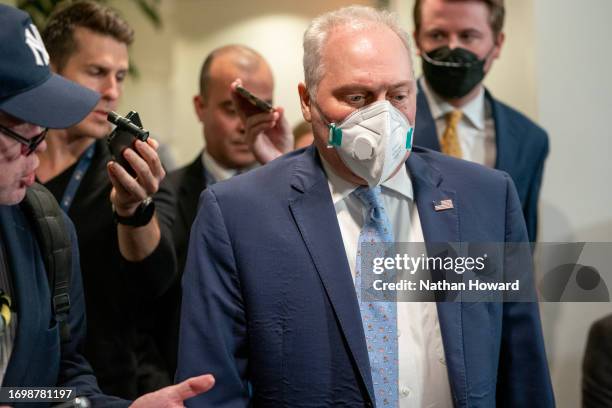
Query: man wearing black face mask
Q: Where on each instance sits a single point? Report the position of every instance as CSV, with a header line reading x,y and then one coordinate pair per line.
x,y
458,41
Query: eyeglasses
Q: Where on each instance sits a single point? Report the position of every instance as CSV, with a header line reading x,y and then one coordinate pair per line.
x,y
29,145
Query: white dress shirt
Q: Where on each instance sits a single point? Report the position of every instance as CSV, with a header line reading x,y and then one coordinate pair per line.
x,y
217,171
423,378
476,129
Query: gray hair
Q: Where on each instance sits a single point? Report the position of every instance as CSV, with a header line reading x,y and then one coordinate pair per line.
x,y
358,18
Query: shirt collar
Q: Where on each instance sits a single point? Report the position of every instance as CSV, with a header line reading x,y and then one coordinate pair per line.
x,y
340,188
474,110
218,172
400,183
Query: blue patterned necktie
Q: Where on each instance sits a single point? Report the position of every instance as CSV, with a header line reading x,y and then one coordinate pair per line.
x,y
379,318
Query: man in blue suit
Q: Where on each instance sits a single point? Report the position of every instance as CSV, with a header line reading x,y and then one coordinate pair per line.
x,y
458,42
270,304
32,352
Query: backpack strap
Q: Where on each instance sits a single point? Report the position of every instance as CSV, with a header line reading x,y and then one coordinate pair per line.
x,y
53,237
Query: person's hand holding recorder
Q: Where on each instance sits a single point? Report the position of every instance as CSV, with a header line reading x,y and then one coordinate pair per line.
x,y
137,173
134,183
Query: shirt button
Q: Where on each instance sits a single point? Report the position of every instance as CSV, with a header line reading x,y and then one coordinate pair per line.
x,y
404,391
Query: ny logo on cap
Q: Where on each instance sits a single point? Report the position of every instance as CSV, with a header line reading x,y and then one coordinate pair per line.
x,y
35,42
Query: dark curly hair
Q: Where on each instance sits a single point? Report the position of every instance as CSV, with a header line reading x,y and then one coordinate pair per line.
x,y
58,34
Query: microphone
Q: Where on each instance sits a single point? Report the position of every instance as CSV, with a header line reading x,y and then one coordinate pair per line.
x,y
128,125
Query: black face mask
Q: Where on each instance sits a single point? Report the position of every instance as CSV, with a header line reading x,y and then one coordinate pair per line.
x,y
453,73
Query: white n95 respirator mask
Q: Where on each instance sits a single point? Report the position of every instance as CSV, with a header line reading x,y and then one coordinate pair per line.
x,y
372,141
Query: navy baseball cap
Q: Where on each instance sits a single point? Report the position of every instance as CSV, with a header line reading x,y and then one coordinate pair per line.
x,y
28,89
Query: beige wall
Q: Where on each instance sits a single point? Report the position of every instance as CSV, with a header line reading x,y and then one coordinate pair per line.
x,y
512,78
170,60
553,68
574,104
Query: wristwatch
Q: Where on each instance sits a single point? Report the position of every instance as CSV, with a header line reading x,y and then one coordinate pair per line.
x,y
141,217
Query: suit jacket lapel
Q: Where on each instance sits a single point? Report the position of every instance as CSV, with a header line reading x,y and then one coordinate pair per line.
x,y
191,187
441,227
315,216
503,158
20,246
506,145
425,133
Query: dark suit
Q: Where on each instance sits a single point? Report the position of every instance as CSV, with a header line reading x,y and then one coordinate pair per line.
x,y
597,366
270,308
522,147
179,192
37,359
119,294
186,185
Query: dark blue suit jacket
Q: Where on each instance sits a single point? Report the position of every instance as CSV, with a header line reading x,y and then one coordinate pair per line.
x,y
37,359
522,147
270,308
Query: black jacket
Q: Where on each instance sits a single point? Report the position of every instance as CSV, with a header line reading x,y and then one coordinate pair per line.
x,y
118,293
180,191
597,366
186,184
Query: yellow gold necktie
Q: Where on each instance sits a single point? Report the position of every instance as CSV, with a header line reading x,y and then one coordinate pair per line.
x,y
450,140
5,309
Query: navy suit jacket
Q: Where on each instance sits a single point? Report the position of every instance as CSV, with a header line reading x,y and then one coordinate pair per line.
x,y
522,147
38,359
270,308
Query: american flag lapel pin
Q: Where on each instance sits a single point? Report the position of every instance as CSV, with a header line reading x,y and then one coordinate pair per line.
x,y
443,205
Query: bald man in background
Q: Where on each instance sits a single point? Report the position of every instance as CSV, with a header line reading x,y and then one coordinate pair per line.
x,y
228,149
234,143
